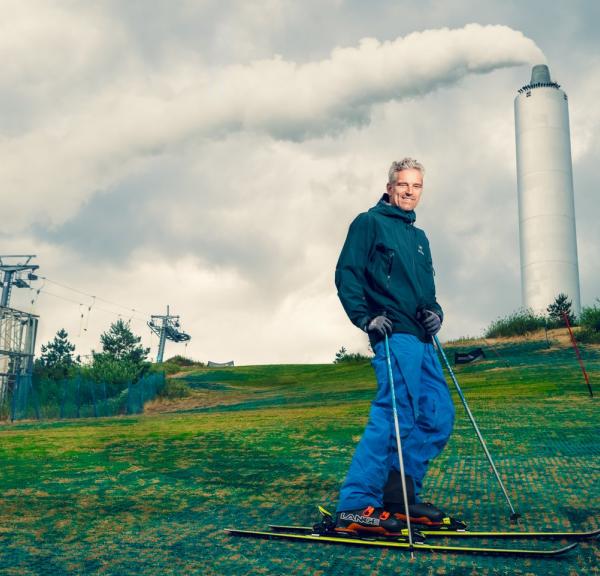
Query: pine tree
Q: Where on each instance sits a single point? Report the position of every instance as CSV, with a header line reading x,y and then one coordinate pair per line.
x,y
559,308
122,360
57,356
340,355
120,343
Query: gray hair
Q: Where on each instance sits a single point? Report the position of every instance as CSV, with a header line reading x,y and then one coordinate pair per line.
x,y
404,164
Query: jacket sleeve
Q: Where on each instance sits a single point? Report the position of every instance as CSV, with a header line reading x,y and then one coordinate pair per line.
x,y
431,300
350,271
435,307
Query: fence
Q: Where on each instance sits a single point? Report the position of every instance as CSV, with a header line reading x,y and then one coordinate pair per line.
x,y
76,398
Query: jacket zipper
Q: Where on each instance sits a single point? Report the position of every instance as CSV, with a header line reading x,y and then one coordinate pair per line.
x,y
389,274
414,264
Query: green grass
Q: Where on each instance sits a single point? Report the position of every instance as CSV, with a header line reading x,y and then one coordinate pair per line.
x,y
151,494
517,323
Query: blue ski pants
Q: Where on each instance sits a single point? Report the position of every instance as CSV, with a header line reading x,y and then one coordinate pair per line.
x,y
425,416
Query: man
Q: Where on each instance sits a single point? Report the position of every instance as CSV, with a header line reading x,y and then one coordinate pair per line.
x,y
384,278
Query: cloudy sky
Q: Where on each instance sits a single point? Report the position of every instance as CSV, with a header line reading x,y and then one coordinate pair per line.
x,y
210,155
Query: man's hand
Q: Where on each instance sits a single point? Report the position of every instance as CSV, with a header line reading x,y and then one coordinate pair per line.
x,y
430,321
380,325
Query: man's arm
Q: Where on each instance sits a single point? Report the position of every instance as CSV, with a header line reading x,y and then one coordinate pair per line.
x,y
431,302
350,271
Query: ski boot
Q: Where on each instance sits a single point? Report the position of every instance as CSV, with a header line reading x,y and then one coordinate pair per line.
x,y
426,515
373,522
422,514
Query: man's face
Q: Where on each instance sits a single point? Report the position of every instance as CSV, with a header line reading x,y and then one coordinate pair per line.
x,y
405,193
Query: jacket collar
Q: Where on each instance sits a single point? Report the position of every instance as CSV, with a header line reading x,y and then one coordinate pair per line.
x,y
384,208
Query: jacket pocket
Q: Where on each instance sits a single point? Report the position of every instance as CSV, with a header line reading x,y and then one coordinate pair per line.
x,y
383,261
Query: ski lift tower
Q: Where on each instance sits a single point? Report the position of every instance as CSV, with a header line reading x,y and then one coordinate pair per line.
x,y
17,329
166,328
13,268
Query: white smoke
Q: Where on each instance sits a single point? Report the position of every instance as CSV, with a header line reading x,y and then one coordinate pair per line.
x,y
51,167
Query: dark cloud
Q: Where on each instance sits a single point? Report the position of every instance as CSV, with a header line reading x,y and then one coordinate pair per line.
x,y
235,214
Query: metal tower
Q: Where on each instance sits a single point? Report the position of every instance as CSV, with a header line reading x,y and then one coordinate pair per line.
x,y
547,232
166,328
13,268
17,331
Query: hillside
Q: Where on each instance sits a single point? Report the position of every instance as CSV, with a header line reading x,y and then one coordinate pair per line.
x,y
259,444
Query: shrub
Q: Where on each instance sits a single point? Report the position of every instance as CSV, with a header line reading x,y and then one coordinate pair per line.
x,y
590,318
588,336
180,360
115,374
176,364
518,323
589,321
342,355
174,389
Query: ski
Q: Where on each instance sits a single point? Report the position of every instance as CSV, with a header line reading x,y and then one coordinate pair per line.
x,y
443,533
402,545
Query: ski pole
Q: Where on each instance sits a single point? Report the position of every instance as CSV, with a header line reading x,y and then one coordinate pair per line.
x,y
399,445
514,515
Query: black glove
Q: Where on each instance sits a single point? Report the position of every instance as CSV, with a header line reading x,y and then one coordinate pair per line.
x,y
430,321
380,326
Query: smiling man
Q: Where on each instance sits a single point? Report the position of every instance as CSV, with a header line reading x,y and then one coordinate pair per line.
x,y
384,278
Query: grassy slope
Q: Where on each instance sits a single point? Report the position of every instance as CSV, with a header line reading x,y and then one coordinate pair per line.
x,y
150,495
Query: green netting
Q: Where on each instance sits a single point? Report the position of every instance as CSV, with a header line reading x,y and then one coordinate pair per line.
x,y
77,398
142,391
22,401
151,494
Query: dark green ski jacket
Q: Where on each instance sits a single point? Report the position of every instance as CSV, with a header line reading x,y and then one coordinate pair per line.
x,y
385,266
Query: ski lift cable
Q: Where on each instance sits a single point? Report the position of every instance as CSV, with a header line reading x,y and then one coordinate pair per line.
x,y
87,319
80,320
128,308
35,297
172,323
139,319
